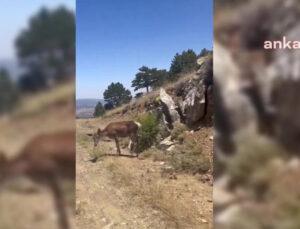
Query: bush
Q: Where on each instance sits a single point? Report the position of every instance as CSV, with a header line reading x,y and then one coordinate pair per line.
x,y
178,131
154,153
189,158
252,155
148,131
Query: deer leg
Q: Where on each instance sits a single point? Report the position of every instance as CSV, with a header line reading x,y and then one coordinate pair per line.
x,y
59,203
134,139
117,144
136,144
130,145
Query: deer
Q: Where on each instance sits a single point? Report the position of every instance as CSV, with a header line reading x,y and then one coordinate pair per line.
x,y
46,159
119,129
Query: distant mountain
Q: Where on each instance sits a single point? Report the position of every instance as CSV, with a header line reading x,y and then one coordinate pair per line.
x,y
85,107
88,103
12,66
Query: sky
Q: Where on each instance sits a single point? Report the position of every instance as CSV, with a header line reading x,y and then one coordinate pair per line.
x,y
14,15
114,38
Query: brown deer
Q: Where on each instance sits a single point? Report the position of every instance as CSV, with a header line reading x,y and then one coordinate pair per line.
x,y
119,129
45,160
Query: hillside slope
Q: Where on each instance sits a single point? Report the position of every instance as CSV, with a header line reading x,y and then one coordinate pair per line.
x,y
124,192
170,184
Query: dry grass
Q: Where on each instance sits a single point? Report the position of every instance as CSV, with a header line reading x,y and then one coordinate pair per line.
x,y
32,105
178,132
153,153
167,197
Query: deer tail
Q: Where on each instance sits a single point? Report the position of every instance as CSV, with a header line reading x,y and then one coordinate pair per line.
x,y
138,124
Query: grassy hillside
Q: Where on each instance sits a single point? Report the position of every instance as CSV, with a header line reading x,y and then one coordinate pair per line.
x,y
139,105
136,192
159,189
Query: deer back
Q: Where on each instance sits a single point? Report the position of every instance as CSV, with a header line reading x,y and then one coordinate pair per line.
x,y
121,129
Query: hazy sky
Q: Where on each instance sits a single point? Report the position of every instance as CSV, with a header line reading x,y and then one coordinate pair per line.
x,y
14,15
116,37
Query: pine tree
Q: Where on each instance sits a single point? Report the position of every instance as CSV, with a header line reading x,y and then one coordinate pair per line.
x,y
143,79
116,94
99,110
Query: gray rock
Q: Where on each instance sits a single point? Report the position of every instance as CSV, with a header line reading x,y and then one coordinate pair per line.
x,y
226,217
222,198
170,113
171,148
200,61
166,143
194,105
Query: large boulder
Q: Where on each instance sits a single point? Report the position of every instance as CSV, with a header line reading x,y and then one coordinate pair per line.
x,y
196,104
189,100
169,108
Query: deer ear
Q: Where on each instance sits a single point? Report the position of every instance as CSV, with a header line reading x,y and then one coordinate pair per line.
x,y
89,135
99,131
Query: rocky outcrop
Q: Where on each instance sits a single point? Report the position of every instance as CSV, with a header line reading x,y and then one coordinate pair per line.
x,y
166,143
194,105
171,115
190,101
256,98
259,87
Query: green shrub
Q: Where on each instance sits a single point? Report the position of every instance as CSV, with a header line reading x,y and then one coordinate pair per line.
x,y
189,158
99,110
148,131
252,155
146,154
178,131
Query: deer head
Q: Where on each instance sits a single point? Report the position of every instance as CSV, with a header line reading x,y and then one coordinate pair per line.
x,y
96,137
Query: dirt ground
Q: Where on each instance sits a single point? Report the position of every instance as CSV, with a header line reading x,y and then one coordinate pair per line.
x,y
124,192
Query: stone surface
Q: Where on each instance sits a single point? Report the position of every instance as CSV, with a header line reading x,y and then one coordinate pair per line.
x,y
166,143
170,112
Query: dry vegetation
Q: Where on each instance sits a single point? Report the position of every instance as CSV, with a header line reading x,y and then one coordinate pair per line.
x,y
171,197
135,107
144,192
162,188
